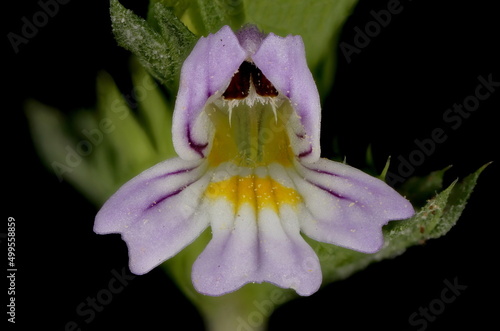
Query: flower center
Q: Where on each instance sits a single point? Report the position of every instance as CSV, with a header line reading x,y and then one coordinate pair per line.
x,y
250,122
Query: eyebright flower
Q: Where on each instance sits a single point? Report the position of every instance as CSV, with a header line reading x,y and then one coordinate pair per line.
x,y
246,127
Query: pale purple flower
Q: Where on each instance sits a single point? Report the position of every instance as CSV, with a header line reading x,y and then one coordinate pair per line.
x,y
246,127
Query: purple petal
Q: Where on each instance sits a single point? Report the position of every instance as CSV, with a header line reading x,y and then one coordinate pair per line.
x,y
255,247
206,72
156,212
250,38
288,261
283,62
230,259
345,206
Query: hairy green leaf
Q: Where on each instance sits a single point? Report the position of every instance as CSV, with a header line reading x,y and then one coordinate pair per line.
x,y
162,50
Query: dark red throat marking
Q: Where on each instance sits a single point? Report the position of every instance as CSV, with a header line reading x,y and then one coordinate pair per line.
x,y
240,83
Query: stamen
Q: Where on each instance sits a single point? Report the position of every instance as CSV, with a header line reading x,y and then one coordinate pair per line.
x,y
230,111
273,107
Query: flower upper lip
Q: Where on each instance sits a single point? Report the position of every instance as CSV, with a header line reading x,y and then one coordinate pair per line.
x,y
210,68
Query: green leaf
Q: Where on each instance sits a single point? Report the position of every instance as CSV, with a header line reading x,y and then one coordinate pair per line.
x,y
419,189
64,149
208,16
371,169
456,203
49,130
161,51
154,110
127,139
173,31
178,7
431,221
97,151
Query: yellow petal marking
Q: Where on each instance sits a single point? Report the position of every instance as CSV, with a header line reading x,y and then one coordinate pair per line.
x,y
259,192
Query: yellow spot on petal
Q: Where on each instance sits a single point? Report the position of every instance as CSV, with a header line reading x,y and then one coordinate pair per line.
x,y
259,192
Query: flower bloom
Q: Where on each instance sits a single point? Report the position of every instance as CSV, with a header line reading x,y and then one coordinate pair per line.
x,y
246,128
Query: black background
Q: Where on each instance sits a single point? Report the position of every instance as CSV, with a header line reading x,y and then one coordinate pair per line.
x,y
394,91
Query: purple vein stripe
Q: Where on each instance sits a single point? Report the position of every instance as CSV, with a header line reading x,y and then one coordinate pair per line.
x,y
197,147
156,202
176,172
322,172
171,194
309,151
329,191
323,187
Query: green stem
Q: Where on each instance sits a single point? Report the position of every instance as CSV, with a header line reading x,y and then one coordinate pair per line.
x,y
235,311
